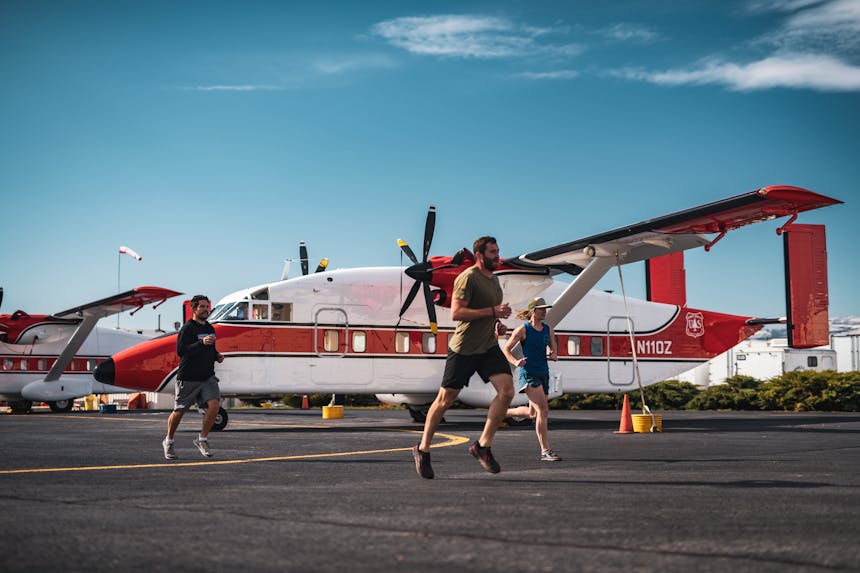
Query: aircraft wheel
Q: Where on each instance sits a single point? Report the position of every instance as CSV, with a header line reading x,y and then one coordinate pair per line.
x,y
419,413
61,405
220,420
21,406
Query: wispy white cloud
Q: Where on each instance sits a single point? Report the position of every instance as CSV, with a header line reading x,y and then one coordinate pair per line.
x,y
471,36
235,88
816,46
334,65
817,72
828,26
628,32
551,75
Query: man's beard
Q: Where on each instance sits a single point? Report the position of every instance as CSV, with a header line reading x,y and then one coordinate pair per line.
x,y
491,264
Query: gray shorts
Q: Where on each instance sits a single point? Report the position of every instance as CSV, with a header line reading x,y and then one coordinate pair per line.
x,y
189,393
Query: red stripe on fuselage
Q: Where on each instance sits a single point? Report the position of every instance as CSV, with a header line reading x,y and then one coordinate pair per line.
x,y
692,335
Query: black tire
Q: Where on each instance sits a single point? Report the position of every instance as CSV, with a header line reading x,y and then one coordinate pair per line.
x,y
419,413
220,420
62,405
21,406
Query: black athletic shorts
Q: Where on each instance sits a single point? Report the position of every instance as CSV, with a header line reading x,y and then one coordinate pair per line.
x,y
460,367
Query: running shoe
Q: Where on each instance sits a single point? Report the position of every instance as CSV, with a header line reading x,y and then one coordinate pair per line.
x,y
169,452
485,456
549,456
422,463
203,446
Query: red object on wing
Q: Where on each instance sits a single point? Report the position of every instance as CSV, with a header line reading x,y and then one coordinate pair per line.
x,y
806,286
665,279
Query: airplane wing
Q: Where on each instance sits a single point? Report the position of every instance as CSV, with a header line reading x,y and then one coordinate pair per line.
x,y
89,314
590,258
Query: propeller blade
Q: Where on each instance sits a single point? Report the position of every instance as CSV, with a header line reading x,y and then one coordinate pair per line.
x,y
323,264
429,228
407,250
303,257
410,297
1,295
457,260
431,308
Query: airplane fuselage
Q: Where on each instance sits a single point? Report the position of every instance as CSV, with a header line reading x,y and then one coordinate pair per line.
x,y
338,332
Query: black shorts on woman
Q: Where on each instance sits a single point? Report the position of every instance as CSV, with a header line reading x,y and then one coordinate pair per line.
x,y
460,367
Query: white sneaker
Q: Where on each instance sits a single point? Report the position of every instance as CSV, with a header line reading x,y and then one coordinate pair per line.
x,y
203,446
549,456
169,453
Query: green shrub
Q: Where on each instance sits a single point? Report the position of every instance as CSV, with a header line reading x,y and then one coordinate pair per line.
x,y
808,390
738,393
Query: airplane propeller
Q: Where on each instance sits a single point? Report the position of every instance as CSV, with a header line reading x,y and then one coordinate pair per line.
x,y
303,259
422,272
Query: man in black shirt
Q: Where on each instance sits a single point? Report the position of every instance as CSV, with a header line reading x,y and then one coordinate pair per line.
x,y
195,381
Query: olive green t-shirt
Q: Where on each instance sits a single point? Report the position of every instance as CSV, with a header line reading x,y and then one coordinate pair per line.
x,y
478,291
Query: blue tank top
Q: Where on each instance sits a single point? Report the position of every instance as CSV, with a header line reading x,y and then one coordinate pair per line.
x,y
534,350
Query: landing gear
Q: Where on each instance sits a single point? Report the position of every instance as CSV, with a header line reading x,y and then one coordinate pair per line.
x,y
419,413
21,406
61,405
220,420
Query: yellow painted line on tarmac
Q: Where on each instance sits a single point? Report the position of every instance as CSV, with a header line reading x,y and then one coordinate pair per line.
x,y
232,422
450,440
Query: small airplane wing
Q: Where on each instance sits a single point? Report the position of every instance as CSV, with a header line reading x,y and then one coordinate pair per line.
x,y
92,312
590,258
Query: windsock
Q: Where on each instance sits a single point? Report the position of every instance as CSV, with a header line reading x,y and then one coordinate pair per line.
x,y
130,252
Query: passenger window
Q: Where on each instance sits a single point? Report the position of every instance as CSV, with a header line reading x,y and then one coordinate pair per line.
x,y
8,364
91,364
282,311
573,348
260,312
428,343
359,341
42,364
23,364
401,342
331,341
597,346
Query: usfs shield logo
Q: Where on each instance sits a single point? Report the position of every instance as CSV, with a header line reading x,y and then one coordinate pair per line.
x,y
695,324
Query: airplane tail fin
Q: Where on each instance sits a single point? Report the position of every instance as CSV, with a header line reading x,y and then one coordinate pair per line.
x,y
806,297
665,279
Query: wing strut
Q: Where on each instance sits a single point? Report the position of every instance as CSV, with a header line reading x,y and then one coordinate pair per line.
x,y
584,281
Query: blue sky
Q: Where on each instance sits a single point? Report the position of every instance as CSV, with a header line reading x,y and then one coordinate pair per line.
x,y
211,137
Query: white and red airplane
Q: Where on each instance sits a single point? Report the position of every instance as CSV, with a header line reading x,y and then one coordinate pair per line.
x,y
352,331
50,358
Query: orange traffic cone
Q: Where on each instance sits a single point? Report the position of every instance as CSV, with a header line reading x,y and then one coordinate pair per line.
x,y
305,403
626,425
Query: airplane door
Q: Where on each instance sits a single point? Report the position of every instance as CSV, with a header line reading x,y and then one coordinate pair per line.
x,y
334,364
619,369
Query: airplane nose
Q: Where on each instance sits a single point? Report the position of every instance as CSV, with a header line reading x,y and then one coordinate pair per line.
x,y
105,371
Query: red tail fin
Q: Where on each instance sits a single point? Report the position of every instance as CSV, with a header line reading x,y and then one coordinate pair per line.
x,y
806,296
665,279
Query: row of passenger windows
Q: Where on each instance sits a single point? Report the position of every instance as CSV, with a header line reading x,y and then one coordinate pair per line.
x,y
331,343
43,364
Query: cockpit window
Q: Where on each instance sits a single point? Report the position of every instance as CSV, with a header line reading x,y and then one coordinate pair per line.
x,y
238,311
217,312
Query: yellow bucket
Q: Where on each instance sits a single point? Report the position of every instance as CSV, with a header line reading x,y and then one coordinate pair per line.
x,y
642,423
332,412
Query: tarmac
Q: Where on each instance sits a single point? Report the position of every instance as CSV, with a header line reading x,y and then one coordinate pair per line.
x,y
289,491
